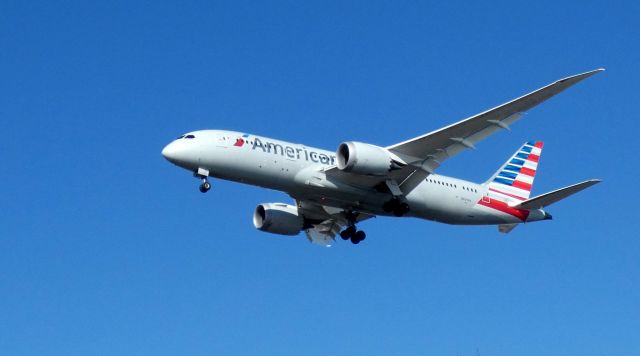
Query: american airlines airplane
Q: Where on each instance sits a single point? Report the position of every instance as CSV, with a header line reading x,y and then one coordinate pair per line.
x,y
335,191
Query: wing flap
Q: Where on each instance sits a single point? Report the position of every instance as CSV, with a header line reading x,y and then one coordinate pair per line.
x,y
324,233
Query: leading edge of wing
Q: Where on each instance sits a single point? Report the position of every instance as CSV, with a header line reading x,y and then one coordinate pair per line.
x,y
423,146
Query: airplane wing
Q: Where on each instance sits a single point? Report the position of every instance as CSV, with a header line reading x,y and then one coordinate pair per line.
x,y
425,153
326,222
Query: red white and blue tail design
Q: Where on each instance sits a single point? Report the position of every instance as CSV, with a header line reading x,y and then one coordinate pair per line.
x,y
513,181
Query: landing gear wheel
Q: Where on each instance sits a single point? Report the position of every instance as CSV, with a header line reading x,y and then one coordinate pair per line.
x,y
203,175
351,233
358,236
344,235
205,186
348,233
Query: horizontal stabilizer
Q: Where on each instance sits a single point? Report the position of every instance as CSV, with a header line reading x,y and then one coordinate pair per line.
x,y
547,199
506,228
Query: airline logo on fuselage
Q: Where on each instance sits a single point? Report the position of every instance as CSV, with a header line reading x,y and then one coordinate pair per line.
x,y
240,140
291,152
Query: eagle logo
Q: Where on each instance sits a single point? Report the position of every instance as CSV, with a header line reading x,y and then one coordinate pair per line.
x,y
240,141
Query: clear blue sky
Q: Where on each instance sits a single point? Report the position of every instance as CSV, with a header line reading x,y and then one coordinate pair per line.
x,y
106,248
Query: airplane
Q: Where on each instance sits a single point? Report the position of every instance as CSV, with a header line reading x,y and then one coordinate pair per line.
x,y
335,191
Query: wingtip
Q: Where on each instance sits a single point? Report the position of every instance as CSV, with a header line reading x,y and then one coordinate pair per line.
x,y
597,70
592,72
580,76
591,182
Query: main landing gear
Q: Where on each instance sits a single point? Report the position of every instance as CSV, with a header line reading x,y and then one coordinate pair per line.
x,y
350,233
396,206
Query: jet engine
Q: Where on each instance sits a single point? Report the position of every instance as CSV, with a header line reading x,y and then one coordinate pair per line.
x,y
278,218
363,158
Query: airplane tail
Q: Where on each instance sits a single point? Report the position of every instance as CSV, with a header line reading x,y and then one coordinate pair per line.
x,y
513,181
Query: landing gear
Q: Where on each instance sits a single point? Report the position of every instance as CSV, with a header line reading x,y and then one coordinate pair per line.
x,y
359,236
351,233
202,174
396,206
348,232
205,186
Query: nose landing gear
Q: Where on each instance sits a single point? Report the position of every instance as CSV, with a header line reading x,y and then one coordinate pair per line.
x,y
205,186
202,174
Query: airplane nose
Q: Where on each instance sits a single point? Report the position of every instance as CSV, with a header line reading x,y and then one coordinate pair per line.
x,y
169,152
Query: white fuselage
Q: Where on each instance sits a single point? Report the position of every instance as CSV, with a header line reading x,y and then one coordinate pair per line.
x,y
298,170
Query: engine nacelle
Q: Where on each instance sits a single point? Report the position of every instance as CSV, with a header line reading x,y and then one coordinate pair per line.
x,y
363,158
278,218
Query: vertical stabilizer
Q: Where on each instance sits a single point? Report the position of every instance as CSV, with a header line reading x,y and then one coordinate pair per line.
x,y
513,181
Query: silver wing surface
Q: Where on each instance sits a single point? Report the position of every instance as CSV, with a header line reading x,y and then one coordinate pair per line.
x,y
427,152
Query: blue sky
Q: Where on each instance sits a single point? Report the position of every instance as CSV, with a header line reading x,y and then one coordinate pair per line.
x,y
105,248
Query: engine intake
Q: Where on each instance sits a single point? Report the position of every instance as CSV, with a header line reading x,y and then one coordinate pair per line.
x,y
278,218
363,158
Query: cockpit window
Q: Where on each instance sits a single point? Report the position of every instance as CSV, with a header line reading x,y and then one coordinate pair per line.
x,y
189,136
181,136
